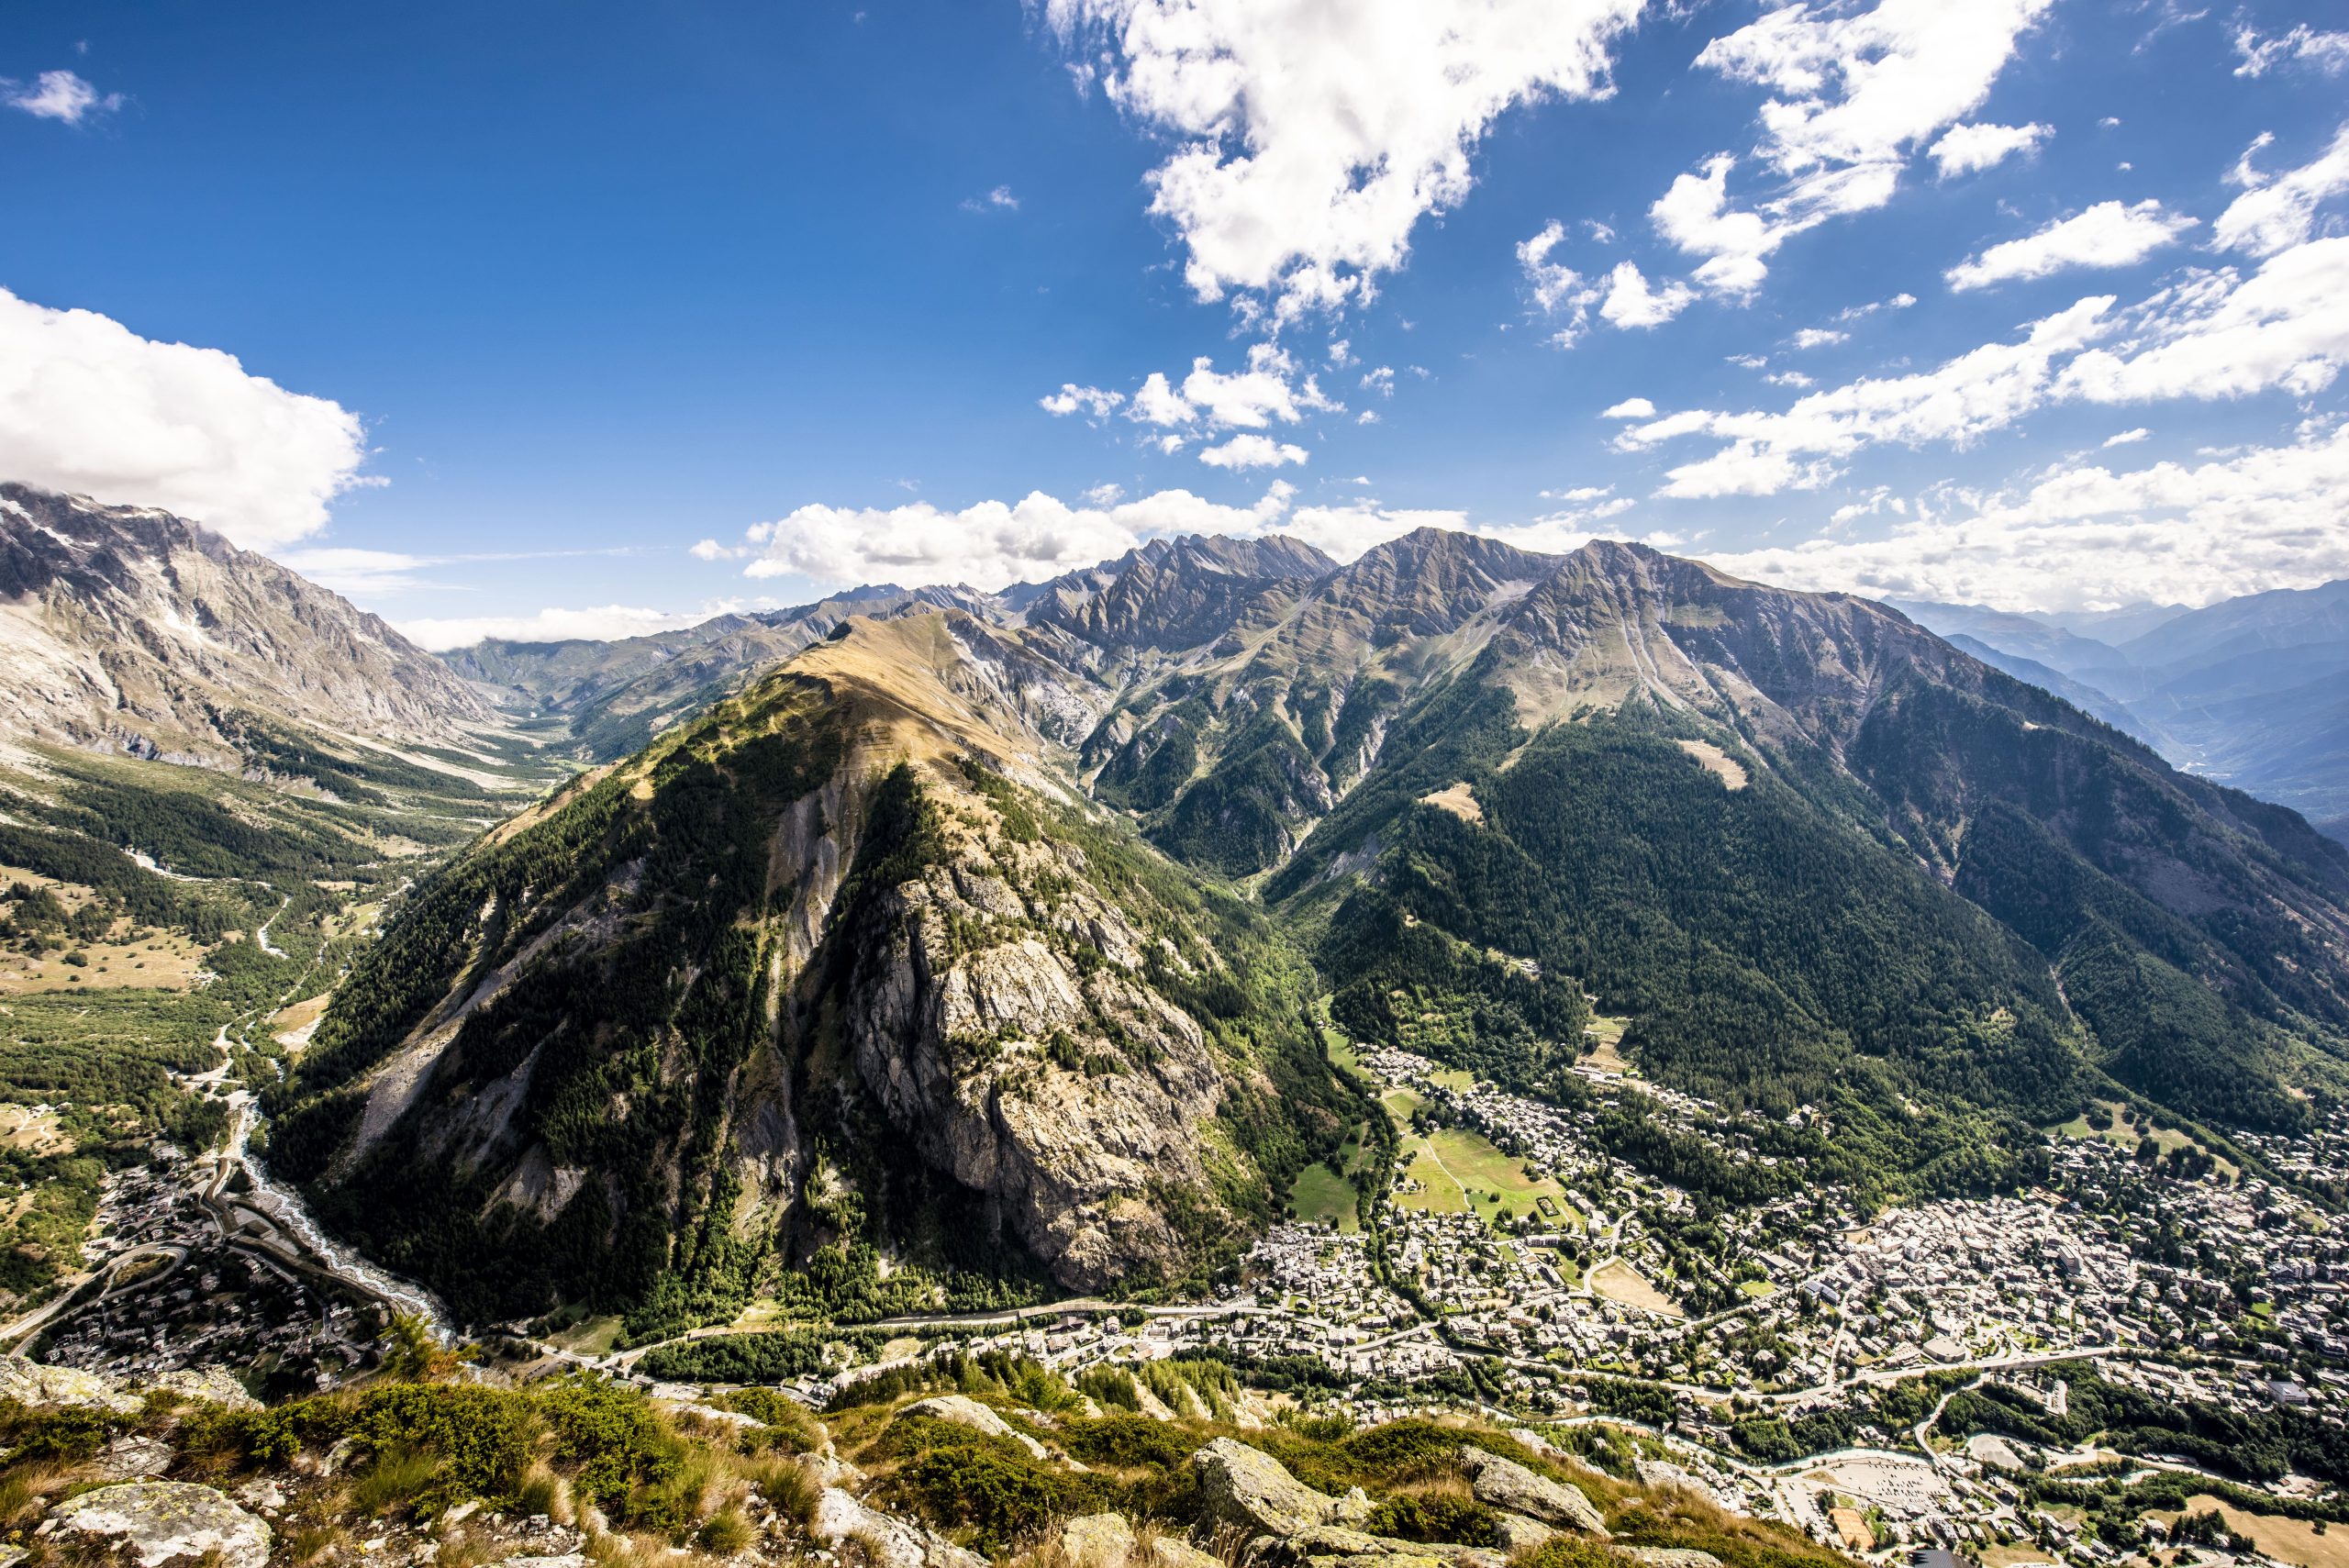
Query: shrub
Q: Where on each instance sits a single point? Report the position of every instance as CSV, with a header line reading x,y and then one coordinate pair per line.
x,y
1436,1516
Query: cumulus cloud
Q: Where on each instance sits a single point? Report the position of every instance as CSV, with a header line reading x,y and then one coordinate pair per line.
x,y
1557,289
2084,536
1969,148
1000,199
987,545
1629,408
2216,334
2105,235
2128,438
1072,398
1307,153
1252,452
2277,210
89,407
595,622
59,95
1854,94
1632,303
1819,336
2327,52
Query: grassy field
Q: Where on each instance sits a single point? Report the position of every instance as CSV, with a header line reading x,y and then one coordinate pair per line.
x,y
2287,1540
2122,1135
1321,1196
1458,1171
1618,1280
1608,1034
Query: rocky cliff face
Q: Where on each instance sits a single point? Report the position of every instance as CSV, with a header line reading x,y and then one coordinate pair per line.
x,y
127,627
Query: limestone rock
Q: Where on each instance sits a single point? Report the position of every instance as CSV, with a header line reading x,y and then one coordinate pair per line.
x,y
1337,1546
893,1543
963,1411
45,1387
211,1385
1518,1533
1250,1489
134,1459
160,1524
1097,1540
1668,1556
1511,1488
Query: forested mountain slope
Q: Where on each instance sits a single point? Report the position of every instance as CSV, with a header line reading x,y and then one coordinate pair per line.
x,y
672,1037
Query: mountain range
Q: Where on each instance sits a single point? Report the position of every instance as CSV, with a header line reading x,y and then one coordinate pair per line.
x,y
917,949
1040,887
2249,691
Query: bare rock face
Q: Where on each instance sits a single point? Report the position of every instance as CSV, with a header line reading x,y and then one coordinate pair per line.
x,y
1337,1546
158,1524
1511,1488
47,1387
1073,1098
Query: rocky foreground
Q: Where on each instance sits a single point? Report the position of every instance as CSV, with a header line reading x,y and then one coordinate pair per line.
x,y
991,1462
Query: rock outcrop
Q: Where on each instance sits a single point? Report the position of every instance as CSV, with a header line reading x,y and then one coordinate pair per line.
x,y
890,1543
1250,1490
1511,1488
961,1410
158,1524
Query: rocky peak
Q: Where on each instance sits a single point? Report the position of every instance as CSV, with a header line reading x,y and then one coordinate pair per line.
x,y
127,627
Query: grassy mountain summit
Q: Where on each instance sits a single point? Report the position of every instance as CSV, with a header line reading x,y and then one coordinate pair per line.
x,y
837,993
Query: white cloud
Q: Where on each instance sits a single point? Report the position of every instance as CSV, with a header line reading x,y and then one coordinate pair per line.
x,y
1000,199
1969,148
1632,303
1789,378
89,407
359,573
1252,452
1862,88
1818,338
1344,532
1071,398
1159,403
2105,235
598,623
1743,468
1340,354
1105,494
1855,94
1380,380
2303,45
1558,289
1267,389
2218,334
59,95
2214,335
2085,538
1307,151
1629,408
2128,438
2279,210
1252,398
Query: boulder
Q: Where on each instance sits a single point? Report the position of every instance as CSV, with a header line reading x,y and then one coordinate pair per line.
x,y
1107,1540
1249,1489
210,1384
1097,1540
893,1543
158,1524
1518,1533
1338,1546
1668,1556
1509,1487
567,1560
965,1411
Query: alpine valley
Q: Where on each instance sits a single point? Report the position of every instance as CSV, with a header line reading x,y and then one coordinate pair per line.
x,y
1720,1026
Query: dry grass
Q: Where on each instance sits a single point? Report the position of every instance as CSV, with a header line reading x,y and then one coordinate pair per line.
x,y
1718,762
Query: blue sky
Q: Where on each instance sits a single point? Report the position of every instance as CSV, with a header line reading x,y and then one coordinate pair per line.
x,y
595,316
